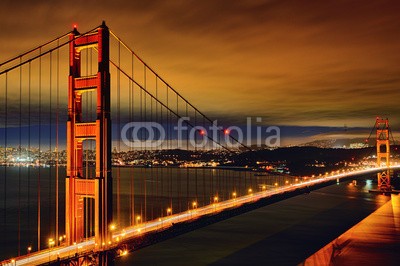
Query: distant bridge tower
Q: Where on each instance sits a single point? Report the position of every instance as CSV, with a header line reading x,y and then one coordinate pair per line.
x,y
383,153
78,188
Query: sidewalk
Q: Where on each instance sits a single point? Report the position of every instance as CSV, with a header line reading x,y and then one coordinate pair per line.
x,y
373,241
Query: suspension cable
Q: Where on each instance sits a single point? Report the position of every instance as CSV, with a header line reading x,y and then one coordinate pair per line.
x,y
35,49
46,52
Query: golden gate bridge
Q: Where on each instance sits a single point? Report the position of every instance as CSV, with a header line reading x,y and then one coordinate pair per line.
x,y
108,86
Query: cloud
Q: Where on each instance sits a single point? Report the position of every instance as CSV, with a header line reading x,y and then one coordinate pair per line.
x,y
290,62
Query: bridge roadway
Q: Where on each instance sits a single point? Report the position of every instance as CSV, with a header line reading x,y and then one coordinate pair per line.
x,y
118,237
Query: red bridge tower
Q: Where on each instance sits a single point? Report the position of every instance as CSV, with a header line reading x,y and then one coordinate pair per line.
x,y
383,153
78,188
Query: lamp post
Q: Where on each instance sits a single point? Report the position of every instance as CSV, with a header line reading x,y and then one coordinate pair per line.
x,y
51,244
29,251
215,202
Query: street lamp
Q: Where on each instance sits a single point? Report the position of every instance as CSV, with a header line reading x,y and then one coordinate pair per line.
x,y
29,251
194,204
51,244
138,218
169,211
215,199
234,195
250,191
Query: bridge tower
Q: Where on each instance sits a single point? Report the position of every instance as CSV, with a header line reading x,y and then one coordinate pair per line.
x,y
383,153
78,187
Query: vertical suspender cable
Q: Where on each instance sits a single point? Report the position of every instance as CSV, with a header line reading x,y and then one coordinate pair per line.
x,y
19,166
29,155
40,155
144,176
50,146
129,151
187,168
187,148
57,147
195,150
169,149
158,167
151,168
178,176
119,142
161,170
130,147
141,149
5,154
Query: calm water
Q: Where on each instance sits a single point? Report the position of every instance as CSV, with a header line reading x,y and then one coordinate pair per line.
x,y
155,189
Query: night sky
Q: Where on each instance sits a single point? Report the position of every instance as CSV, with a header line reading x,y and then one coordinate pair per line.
x,y
293,63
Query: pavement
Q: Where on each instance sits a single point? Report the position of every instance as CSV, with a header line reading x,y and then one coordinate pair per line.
x,y
373,241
